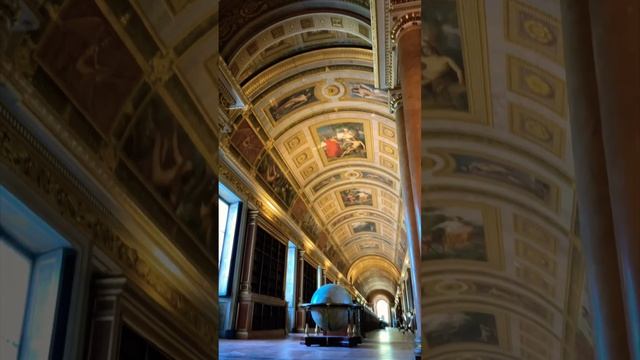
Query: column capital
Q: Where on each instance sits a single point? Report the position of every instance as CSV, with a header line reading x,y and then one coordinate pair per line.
x,y
252,216
404,23
395,99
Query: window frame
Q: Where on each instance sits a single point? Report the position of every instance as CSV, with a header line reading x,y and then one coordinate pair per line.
x,y
227,260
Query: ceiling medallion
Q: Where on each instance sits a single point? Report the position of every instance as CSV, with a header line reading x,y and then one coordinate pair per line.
x,y
538,31
451,287
352,175
537,85
333,91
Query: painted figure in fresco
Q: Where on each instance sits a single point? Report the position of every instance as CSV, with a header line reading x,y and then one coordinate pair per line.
x,y
457,233
325,182
353,197
363,91
443,72
489,169
350,142
169,163
447,328
364,226
342,140
332,148
376,177
83,53
367,91
276,181
186,182
248,144
436,79
291,103
453,233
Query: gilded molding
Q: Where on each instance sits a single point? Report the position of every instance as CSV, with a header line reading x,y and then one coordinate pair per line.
x,y
246,189
161,69
337,54
24,156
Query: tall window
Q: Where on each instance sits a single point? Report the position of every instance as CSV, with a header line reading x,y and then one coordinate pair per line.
x,y
223,216
15,271
36,264
382,310
228,216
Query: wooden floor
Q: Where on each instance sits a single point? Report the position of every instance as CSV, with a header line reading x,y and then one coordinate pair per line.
x,y
380,344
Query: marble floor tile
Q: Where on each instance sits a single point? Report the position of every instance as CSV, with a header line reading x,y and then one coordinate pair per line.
x,y
380,344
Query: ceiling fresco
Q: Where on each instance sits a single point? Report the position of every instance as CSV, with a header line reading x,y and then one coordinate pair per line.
x,y
502,270
317,135
124,95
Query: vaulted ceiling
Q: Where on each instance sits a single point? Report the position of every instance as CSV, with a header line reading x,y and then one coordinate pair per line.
x,y
314,132
500,247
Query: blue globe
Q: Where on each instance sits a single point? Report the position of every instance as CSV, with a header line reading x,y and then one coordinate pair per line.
x,y
328,318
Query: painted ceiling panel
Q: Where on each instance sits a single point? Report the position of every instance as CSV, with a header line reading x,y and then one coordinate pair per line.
x,y
500,251
316,134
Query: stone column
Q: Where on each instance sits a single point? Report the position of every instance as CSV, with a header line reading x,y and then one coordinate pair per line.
x,y
245,302
591,185
300,314
413,232
105,319
408,36
249,247
410,75
616,48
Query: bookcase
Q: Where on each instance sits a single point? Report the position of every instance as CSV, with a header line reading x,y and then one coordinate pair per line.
x,y
269,265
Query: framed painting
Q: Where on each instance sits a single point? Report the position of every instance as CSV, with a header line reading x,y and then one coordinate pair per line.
x,y
455,231
86,58
455,77
343,140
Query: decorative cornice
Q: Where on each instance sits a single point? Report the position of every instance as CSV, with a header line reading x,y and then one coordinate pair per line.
x,y
21,154
232,97
234,176
336,55
99,166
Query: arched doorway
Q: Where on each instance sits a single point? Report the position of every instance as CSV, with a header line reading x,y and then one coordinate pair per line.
x,y
382,310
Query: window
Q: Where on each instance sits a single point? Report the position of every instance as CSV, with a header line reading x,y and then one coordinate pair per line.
x,y
36,263
223,216
228,224
382,310
15,271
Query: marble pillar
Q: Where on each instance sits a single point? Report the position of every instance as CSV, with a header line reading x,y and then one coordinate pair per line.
x,y
300,313
615,34
413,234
245,301
322,279
249,247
